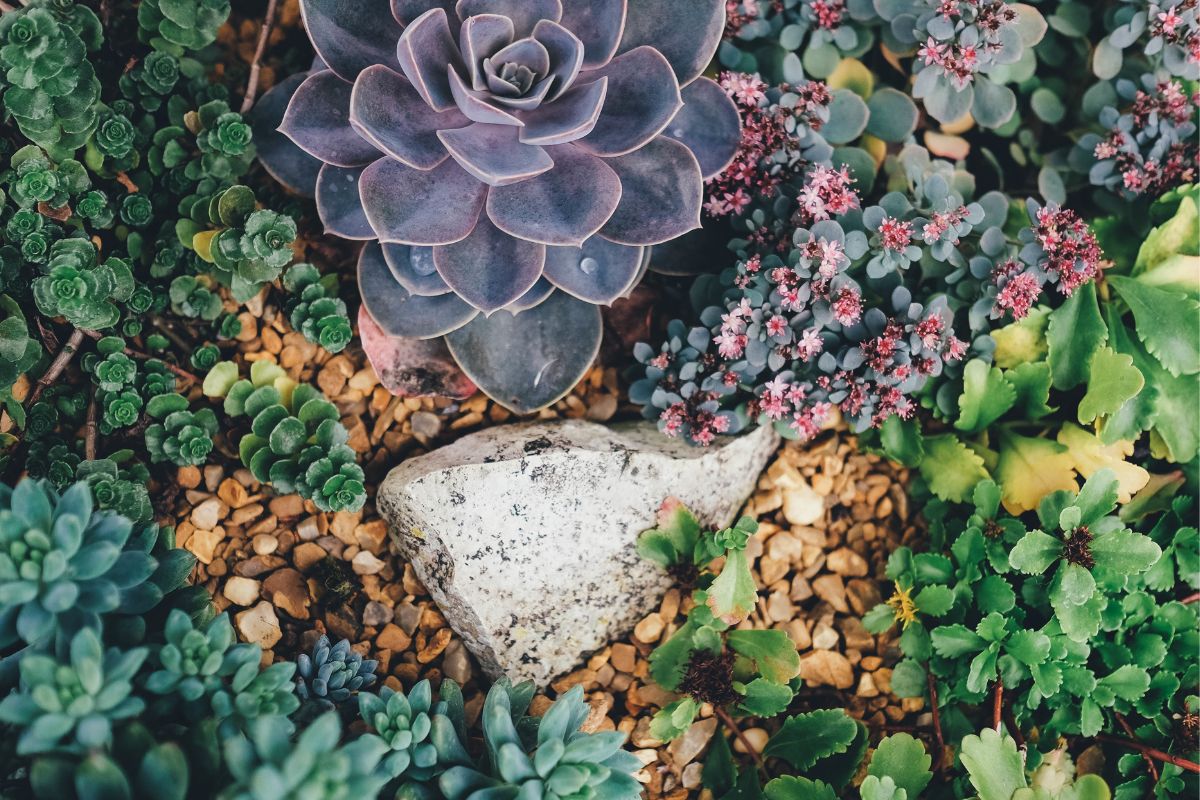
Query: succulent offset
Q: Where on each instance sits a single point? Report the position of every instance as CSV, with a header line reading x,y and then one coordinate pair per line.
x,y
506,156
332,673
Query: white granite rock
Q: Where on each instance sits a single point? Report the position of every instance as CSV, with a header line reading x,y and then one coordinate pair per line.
x,y
525,534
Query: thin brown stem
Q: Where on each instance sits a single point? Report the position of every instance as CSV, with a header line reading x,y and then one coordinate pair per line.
x,y
1159,755
998,704
1150,765
1191,598
167,330
1013,729
5,7
730,723
256,64
91,430
937,723
57,366
47,335
138,354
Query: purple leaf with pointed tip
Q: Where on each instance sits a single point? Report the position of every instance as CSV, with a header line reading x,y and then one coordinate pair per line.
x,y
410,206
401,313
412,367
494,154
643,96
524,13
425,49
339,205
389,112
490,269
687,32
598,24
287,163
564,206
481,36
598,272
474,105
413,267
566,55
661,197
572,117
530,360
709,124
351,35
318,121
534,297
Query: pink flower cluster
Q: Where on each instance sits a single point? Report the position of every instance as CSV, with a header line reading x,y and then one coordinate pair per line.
x,y
827,193
1170,104
827,14
1071,254
781,398
941,223
1171,26
765,132
1019,290
692,416
895,234
739,13
960,62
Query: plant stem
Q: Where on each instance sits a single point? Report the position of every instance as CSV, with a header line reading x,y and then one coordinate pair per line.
x,y
937,723
90,432
1166,758
5,7
57,366
1013,729
1191,598
255,65
1145,757
730,723
998,704
171,334
138,354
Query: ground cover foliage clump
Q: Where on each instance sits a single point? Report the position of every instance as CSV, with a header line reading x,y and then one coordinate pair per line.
x,y
965,229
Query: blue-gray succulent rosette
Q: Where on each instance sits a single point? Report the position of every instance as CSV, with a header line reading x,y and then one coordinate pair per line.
x,y
509,164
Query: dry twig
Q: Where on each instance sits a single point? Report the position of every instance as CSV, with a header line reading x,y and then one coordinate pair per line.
x,y
1166,758
256,64
57,366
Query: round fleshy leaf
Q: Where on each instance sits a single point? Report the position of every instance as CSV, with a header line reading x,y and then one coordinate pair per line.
x,y
893,115
339,204
847,117
318,121
490,269
410,206
598,24
535,296
401,313
390,113
425,50
413,267
709,124
412,367
598,272
482,35
564,206
524,13
529,360
994,104
643,96
494,154
566,55
351,35
569,118
287,163
947,104
661,194
687,32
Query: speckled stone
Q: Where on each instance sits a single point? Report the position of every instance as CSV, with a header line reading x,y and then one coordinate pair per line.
x,y
525,534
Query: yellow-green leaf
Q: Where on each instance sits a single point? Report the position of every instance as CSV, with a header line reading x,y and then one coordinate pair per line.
x,y
951,468
1030,468
1089,455
1113,380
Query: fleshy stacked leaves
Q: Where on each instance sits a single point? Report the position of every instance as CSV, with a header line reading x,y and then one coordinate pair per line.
x,y
509,155
179,25
74,286
182,436
296,440
248,247
332,673
52,89
315,309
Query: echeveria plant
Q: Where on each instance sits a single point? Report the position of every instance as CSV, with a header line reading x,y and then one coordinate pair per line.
x,y
510,156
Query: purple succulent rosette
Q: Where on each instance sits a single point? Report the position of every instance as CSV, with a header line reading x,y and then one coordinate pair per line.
x,y
509,162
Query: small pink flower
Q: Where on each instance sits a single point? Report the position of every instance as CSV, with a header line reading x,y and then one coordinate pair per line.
x,y
895,234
